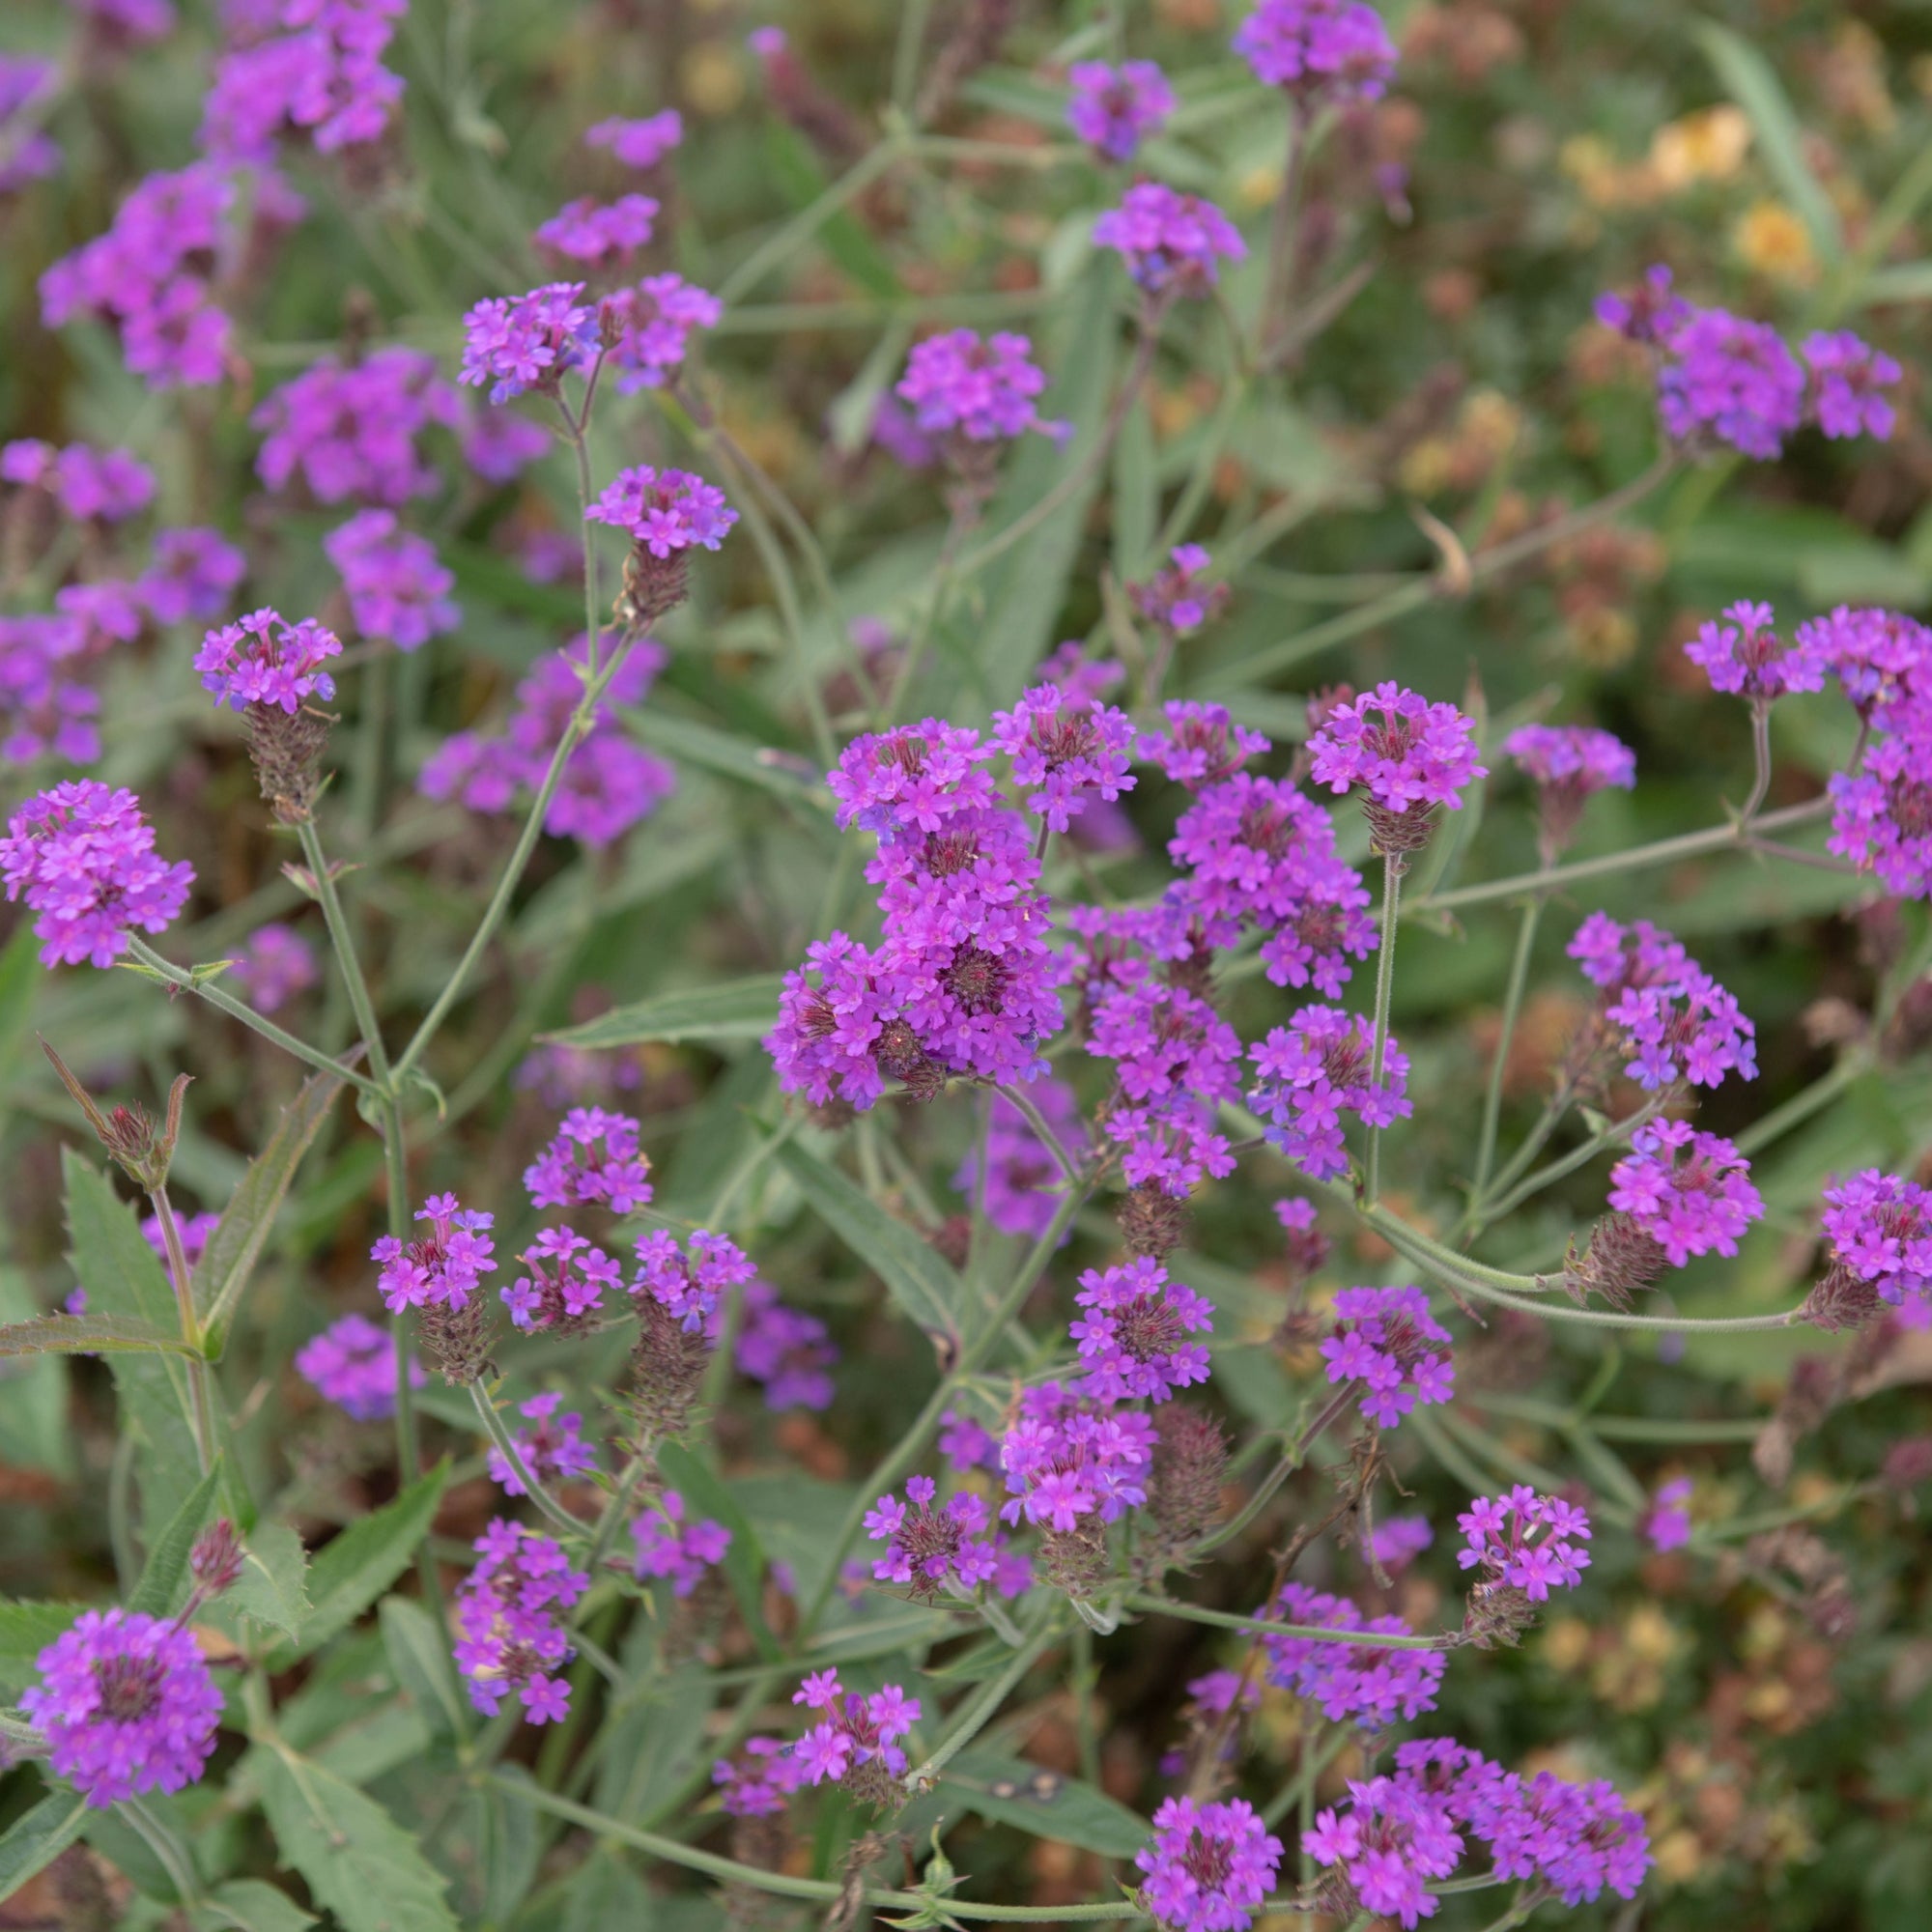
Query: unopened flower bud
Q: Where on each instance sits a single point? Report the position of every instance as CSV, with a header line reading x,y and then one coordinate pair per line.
x,y
215,1561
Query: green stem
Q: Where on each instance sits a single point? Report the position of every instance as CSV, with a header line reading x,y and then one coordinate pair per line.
x,y
346,956
499,1433
1384,982
1804,1103
979,1713
1493,1103
1614,1135
1022,1103
1168,1607
182,1278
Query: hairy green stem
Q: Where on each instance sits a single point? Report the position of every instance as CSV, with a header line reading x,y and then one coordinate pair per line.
x,y
1384,982
499,1432
1492,1101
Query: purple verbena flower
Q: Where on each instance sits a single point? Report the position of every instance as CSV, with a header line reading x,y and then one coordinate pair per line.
x,y
1847,376
1316,1069
1177,600
1201,746
566,1284
1173,243
1320,51
664,511
439,1269
1112,109
275,963
518,343
593,1159
191,575
1882,812
763,1781
854,1730
928,1548
785,1349
1362,1684
1209,1867
1068,748
1386,1340
263,659
311,65
353,1364
594,234
1687,1190
44,710
553,1450
1133,1339
499,446
348,432
103,486
1404,754
690,1281
1731,379
979,389
1569,763
653,324
398,592
1395,1544
1743,657
1023,1179
26,153
195,1231
512,1625
1649,314
667,1546
1880,1228
1066,1456
1524,1540
1666,1524
637,144
1674,1021
1876,655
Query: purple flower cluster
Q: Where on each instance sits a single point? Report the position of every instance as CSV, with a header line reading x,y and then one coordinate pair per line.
x,y
926,1549
82,858
609,782
348,432
1112,109
1524,1542
45,710
1173,243
313,65
1383,1339
1675,1020
499,448
275,963
1320,51
193,574
652,324
1316,1069
595,233
1405,754
1353,1683
104,613
103,486
760,1784
1177,600
1666,1524
1742,656
664,511
146,275
1209,1867
692,1281
1066,1456
979,389
518,343
398,592
1396,1543
263,659
441,1269
127,1705
1201,746
1398,1832
853,1730
553,1450
1687,1190
593,1160
1880,1228
565,1285
637,144
353,1364
784,1350
1571,761
667,1546
1069,747
26,154
1133,1338
1882,812
1876,655
1022,1184
1847,376
510,1620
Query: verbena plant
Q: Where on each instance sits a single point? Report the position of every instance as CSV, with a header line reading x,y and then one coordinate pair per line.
x,y
1038,1048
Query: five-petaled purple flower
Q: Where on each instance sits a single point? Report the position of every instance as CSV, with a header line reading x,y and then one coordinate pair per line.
x,y
1209,1867
263,659
664,510
1386,1338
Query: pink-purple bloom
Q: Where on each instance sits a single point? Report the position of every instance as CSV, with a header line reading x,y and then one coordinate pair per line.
x,y
1882,812
1209,1867
191,575
928,1548
81,857
1201,746
852,1729
666,1545
45,711
398,592
594,234
653,324
1675,1022
27,154
512,1625
105,486
1177,599
353,1364
1371,1685
979,389
1880,1228
1133,1338
1173,243
1742,656
1068,749
1023,1179
1876,655
1066,1456
1319,51
664,511
785,1351
1847,379
552,1449
440,1269
565,1283
1666,1524
263,659
351,432
1318,1068
1114,109
275,964
1386,1340
690,1279
1398,748
593,1159
637,144
311,65
516,343
1524,1541
1688,1191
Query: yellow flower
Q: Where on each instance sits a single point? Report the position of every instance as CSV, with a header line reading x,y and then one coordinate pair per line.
x,y
1772,240
1706,145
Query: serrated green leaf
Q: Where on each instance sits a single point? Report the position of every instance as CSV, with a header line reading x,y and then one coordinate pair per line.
x,y
350,1572
272,1587
35,1838
238,1237
357,1860
248,1905
918,1279
418,1652
738,1010
89,1335
26,1629
155,1594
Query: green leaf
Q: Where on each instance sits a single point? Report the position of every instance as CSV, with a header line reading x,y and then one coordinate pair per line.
x,y
21,975
35,1433
248,1905
89,1335
603,1893
919,1280
359,1864
787,775
738,1010
512,1845
272,1587
26,1629
155,1594
350,1571
35,1838
419,1655
237,1242
1136,492
1011,1791
1750,80
704,1496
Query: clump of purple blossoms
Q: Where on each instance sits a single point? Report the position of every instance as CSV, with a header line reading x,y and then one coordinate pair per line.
x,y
44,710
1733,379
1650,314
596,233
313,65
1382,1340
653,324
1173,243
263,659
565,1285
667,1546
1112,109
928,1548
609,782
1569,763
1880,1228
1393,1546
518,343
193,574
1524,1542
106,486
1666,1524
1316,1069
1847,376
275,963
637,144
692,1281
553,1450
1876,655
439,1269
26,154
976,390
349,433
1023,1179
1320,51
762,1783
511,1611
1364,1684
1201,746
1209,1867
1742,657
1406,757
784,1350
82,858
1882,812
1069,747
499,448
1676,1022
1066,1456
1687,1190
1133,1337
1177,600
127,1705
398,592
353,1364
664,510
593,1159
854,1730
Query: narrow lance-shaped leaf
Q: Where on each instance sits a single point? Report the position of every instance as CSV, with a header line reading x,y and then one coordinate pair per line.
x,y
738,1010
35,1838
